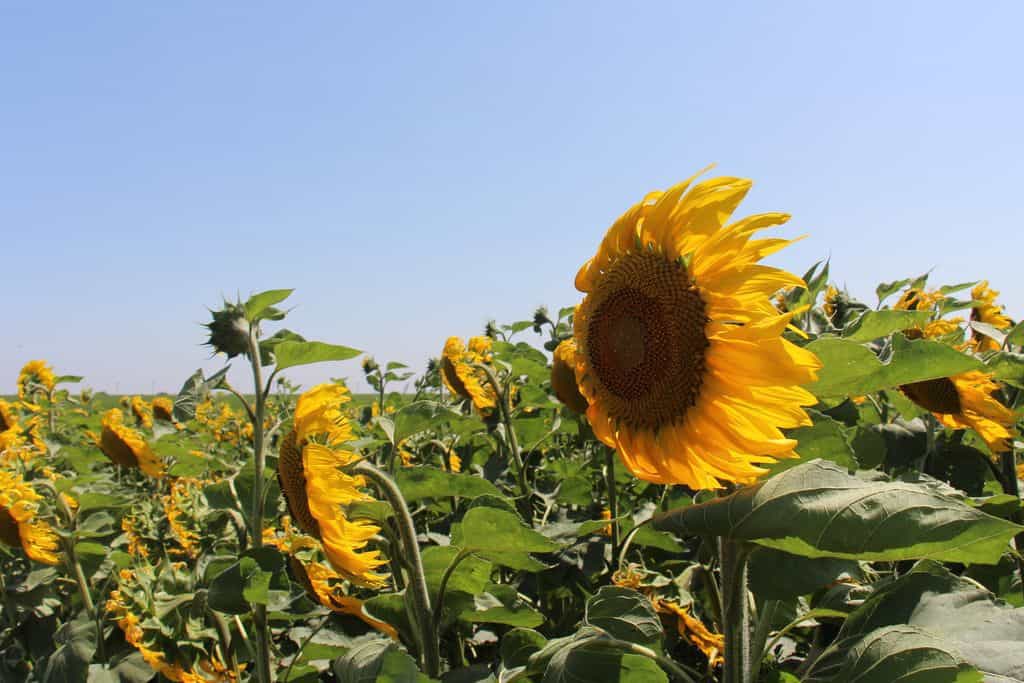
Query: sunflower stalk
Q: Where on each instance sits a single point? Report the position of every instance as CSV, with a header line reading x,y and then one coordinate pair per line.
x,y
430,653
735,611
613,508
504,396
259,612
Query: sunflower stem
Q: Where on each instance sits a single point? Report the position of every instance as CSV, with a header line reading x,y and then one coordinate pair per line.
x,y
264,673
613,508
1011,486
504,401
735,612
430,653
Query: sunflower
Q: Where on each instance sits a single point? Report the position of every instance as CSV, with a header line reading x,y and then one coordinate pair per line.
x,y
142,412
126,447
914,299
563,377
462,377
694,630
8,420
316,489
679,349
36,373
323,585
163,409
180,509
19,526
989,312
830,302
967,401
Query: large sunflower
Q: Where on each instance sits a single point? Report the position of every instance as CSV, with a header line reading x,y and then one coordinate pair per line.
x,y
462,377
317,490
680,350
989,312
19,526
967,401
126,447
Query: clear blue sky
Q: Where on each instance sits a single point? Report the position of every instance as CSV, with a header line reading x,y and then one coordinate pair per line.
x,y
415,169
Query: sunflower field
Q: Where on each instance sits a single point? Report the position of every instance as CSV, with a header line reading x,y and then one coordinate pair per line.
x,y
707,469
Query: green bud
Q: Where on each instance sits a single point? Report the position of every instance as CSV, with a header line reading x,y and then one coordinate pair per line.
x,y
229,331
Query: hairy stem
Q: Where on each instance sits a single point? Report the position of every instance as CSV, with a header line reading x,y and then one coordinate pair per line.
x,y
613,507
264,672
735,611
430,653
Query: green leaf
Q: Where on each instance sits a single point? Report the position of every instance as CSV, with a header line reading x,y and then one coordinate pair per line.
x,y
887,289
624,613
580,658
825,439
876,324
984,630
257,304
818,510
1015,337
391,608
894,653
500,605
516,647
194,391
470,576
775,575
490,529
290,354
76,644
853,370
417,483
1008,367
377,661
246,582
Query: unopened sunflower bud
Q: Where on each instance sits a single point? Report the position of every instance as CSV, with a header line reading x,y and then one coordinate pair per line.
x,y
229,331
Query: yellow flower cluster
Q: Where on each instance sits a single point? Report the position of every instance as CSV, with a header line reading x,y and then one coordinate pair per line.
x,y
35,374
142,412
126,447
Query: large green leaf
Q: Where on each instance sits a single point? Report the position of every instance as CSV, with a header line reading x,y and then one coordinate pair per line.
x,y
492,529
1008,367
851,369
417,483
624,613
776,575
583,658
257,304
875,324
986,631
894,653
377,661
818,510
516,648
289,354
826,439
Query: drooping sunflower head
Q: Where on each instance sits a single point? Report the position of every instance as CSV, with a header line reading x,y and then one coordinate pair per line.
x,y
36,375
20,526
967,401
317,489
126,447
8,420
916,299
325,587
163,409
987,311
141,412
461,376
680,353
563,377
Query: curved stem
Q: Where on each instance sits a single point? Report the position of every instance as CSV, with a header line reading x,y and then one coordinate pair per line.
x,y
439,607
672,667
429,645
305,642
241,399
629,540
504,401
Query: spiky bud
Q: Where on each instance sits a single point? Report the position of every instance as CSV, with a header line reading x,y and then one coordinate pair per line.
x,y
229,331
370,365
540,318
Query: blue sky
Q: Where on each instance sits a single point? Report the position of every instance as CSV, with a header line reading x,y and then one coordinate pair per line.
x,y
416,169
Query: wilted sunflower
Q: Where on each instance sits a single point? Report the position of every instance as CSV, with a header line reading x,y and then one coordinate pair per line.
x,y
563,377
19,527
694,630
8,420
324,586
35,373
967,401
126,447
316,489
988,312
462,378
914,299
679,348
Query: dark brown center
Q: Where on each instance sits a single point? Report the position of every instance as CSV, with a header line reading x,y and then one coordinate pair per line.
x,y
9,532
646,340
937,395
292,479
